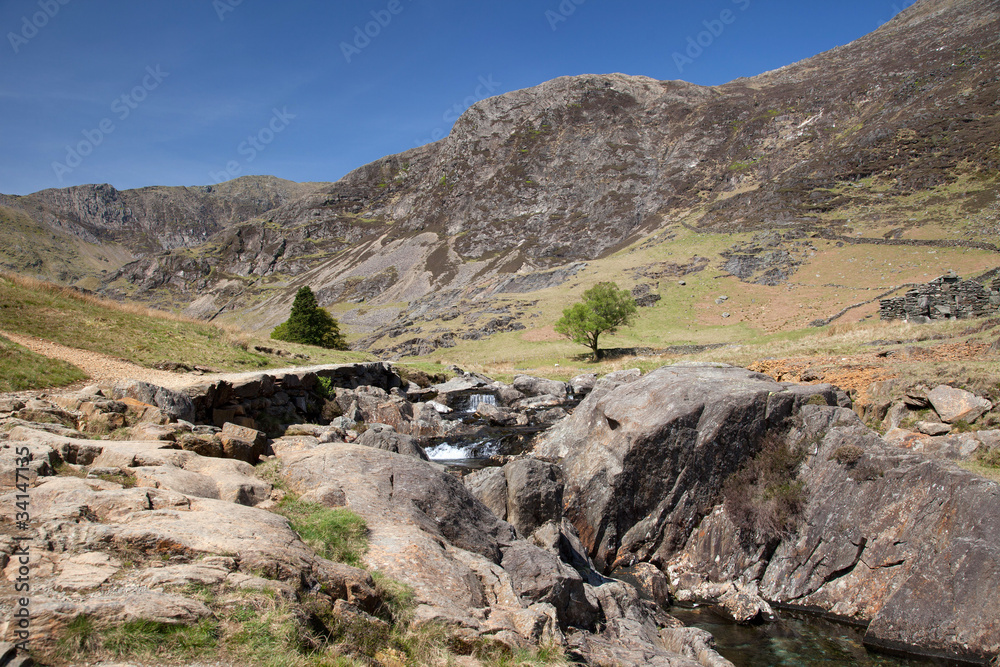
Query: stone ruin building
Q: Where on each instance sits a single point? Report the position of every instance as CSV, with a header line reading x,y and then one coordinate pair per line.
x,y
946,297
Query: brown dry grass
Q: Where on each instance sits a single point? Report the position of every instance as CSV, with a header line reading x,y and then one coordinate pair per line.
x,y
37,285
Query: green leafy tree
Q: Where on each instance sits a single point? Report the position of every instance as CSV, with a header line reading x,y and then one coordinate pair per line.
x,y
604,308
310,324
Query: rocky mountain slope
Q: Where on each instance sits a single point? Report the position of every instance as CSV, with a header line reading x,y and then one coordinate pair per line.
x,y
110,227
889,137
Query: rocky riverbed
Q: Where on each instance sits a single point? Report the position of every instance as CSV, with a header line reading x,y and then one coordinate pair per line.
x,y
140,496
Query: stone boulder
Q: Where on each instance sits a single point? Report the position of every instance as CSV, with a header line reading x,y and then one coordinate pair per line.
x,y
417,492
380,436
450,392
534,494
744,604
539,576
533,386
551,416
497,416
541,402
489,485
954,405
526,493
506,395
932,428
583,384
644,459
10,404
172,403
653,582
242,443
427,421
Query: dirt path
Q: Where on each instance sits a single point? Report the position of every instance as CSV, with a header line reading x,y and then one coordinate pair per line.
x,y
98,366
102,367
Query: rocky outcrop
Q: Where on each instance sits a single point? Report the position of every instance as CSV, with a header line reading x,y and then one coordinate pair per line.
x,y
901,543
955,447
83,531
127,530
645,459
904,544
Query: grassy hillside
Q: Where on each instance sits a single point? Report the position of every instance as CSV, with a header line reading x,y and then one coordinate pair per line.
x,y
138,334
686,269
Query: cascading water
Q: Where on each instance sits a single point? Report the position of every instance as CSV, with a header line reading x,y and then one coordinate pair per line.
x,y
475,400
478,450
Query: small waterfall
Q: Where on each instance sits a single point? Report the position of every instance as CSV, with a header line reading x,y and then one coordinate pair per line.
x,y
475,400
479,449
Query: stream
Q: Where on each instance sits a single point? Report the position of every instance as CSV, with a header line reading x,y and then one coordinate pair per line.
x,y
794,638
802,640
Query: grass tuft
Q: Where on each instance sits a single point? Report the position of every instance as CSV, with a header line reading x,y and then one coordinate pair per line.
x,y
989,457
397,599
847,455
149,639
144,640
337,534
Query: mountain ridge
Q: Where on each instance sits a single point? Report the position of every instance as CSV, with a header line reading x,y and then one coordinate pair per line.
x,y
582,168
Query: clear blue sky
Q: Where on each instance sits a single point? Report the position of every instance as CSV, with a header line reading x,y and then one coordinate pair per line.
x,y
183,84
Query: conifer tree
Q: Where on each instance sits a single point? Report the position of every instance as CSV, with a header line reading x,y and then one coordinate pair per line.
x,y
309,324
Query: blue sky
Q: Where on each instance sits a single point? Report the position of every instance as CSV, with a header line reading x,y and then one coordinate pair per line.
x,y
192,92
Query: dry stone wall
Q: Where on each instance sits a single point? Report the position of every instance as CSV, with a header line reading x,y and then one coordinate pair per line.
x,y
946,297
288,397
